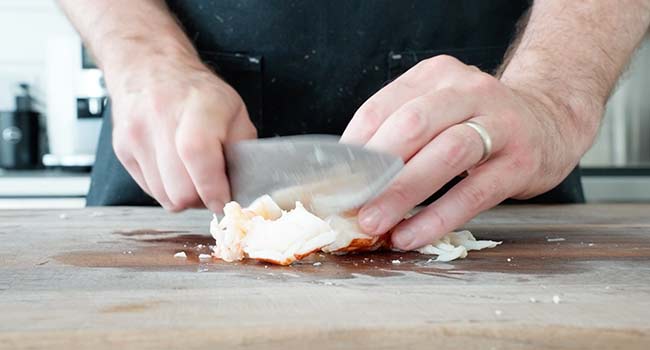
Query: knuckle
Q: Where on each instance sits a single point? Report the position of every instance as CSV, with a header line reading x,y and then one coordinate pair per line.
x,y
483,83
402,192
456,151
478,197
413,124
524,164
497,189
435,220
449,94
190,146
369,116
123,149
160,101
439,62
131,131
472,196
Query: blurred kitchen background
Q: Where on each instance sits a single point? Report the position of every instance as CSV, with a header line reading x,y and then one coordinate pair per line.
x,y
52,97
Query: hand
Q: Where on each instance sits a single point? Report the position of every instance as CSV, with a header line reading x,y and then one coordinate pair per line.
x,y
171,118
419,117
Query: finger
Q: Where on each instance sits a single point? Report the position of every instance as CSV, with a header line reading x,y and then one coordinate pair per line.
x,y
175,179
204,162
201,150
130,148
452,152
449,154
198,141
132,167
151,175
485,188
126,140
426,76
137,176
417,122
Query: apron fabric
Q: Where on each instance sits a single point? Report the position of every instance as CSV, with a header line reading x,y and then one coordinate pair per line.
x,y
306,66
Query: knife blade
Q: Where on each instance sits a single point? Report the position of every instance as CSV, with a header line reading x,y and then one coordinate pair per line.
x,y
326,176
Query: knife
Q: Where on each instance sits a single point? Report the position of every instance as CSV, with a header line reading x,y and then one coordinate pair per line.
x,y
328,177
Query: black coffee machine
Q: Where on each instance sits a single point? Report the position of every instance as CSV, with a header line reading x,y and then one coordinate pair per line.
x,y
19,134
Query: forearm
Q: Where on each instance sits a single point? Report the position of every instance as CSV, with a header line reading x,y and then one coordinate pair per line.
x,y
571,54
121,33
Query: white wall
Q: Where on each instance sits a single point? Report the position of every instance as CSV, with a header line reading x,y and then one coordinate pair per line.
x,y
25,26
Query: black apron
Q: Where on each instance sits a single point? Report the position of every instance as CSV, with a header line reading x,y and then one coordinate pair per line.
x,y
306,66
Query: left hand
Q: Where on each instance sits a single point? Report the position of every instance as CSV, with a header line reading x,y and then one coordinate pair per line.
x,y
419,116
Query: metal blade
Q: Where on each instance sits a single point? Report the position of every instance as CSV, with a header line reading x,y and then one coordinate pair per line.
x,y
327,176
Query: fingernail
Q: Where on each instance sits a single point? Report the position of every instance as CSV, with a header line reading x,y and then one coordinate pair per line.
x,y
404,238
370,219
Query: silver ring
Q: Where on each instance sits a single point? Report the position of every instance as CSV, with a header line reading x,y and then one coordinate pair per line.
x,y
485,137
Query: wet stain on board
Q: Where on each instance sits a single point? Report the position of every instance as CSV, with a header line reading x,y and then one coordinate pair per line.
x,y
537,252
147,232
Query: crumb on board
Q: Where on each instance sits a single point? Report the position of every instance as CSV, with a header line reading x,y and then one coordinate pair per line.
x,y
396,262
180,255
63,216
318,263
498,312
509,259
556,299
532,300
205,256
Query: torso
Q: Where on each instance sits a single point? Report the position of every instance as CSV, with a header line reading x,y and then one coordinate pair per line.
x,y
306,66
320,60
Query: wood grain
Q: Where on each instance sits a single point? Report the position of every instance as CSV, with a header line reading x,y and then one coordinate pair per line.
x,y
106,277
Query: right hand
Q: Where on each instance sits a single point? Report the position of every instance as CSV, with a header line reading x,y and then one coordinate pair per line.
x,y
171,119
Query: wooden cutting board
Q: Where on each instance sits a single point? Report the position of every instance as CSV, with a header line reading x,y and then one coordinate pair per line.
x,y
565,277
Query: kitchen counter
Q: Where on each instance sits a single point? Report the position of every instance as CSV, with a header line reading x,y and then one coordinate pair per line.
x,y
573,277
43,189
